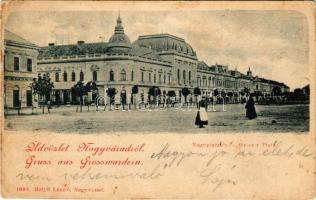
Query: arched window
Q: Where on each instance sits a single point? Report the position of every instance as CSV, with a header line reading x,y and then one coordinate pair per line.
x,y
164,78
73,76
169,78
94,75
29,98
149,77
142,76
65,76
57,77
184,76
123,75
132,75
189,76
154,78
111,75
178,76
160,78
198,81
81,76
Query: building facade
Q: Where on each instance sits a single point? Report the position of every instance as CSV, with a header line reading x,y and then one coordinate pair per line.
x,y
20,61
163,60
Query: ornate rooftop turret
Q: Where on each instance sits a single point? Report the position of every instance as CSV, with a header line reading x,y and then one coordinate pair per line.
x,y
249,73
119,42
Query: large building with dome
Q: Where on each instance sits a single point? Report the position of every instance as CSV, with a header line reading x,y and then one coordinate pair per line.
x,y
162,60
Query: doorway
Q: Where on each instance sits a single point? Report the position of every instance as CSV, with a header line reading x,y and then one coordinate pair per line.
x,y
29,99
16,98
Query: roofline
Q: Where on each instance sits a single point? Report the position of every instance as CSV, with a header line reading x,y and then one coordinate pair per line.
x,y
25,41
104,58
160,36
178,54
21,44
75,44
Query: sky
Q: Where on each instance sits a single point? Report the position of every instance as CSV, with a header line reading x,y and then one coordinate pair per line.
x,y
274,44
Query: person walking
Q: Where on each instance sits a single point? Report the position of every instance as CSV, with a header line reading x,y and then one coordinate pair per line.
x,y
250,108
201,118
49,106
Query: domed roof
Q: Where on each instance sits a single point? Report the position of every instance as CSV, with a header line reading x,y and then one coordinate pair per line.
x,y
119,42
166,42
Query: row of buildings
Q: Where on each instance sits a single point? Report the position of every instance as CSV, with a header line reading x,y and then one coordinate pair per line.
x,y
163,60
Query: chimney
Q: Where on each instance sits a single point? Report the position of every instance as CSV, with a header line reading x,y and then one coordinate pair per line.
x,y
51,44
80,42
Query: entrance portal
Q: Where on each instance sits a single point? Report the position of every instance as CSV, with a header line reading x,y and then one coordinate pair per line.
x,y
123,97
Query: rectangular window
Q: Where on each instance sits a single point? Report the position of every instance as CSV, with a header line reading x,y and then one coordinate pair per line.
x,y
29,64
16,63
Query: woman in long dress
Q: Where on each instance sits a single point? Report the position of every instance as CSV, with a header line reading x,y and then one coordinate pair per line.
x,y
201,117
250,109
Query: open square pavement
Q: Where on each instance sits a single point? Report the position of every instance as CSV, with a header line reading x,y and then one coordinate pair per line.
x,y
286,118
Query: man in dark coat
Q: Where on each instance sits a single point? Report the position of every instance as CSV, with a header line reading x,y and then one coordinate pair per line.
x,y
250,109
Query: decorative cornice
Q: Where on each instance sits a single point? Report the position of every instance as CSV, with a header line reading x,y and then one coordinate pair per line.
x,y
15,78
21,45
103,58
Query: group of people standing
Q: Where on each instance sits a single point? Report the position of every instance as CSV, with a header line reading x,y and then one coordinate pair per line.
x,y
201,118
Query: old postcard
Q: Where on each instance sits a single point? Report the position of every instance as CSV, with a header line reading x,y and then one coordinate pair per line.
x,y
158,100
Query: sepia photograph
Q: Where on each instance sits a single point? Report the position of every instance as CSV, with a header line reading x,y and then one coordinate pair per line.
x,y
158,100
89,72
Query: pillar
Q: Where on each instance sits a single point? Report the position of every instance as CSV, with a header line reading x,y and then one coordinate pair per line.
x,y
61,94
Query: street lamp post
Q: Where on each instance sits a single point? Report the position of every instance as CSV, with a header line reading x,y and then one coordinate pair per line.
x,y
213,109
223,102
156,94
105,97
